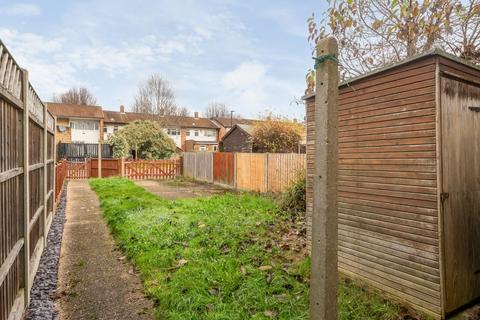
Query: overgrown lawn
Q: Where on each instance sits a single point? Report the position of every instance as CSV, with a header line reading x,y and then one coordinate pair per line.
x,y
222,257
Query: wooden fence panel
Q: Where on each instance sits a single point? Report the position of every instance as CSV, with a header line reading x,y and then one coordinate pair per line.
x,y
153,169
60,177
283,169
26,184
110,168
189,160
224,168
204,166
250,171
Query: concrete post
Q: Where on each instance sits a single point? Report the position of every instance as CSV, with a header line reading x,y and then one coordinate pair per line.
x,y
324,273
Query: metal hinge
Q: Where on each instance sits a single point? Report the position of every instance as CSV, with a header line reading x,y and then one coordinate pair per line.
x,y
444,196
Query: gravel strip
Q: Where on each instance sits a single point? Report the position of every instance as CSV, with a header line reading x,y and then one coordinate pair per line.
x,y
42,302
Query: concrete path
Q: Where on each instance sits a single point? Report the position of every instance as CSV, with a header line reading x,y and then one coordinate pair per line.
x,y
180,189
95,279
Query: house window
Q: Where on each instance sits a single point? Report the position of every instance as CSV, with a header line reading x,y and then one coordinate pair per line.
x,y
115,128
187,133
202,148
105,130
215,148
196,133
210,133
84,125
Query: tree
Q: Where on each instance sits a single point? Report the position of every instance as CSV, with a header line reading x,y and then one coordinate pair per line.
x,y
217,110
277,135
374,33
75,95
147,138
156,96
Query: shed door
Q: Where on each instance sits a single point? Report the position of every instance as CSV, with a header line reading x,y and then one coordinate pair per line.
x,y
461,183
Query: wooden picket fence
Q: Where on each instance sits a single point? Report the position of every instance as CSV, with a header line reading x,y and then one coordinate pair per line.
x,y
132,169
153,169
262,172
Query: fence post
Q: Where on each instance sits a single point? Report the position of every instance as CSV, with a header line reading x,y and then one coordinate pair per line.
x,y
54,146
266,172
235,170
99,162
324,273
26,190
122,166
45,176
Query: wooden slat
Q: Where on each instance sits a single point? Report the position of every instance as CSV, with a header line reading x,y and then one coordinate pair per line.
x,y
12,173
12,256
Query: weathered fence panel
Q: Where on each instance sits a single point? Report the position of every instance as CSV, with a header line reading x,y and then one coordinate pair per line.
x,y
153,169
283,169
82,151
251,171
204,167
224,168
262,172
26,184
189,160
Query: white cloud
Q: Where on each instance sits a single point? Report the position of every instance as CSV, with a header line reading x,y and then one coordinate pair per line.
x,y
246,75
24,9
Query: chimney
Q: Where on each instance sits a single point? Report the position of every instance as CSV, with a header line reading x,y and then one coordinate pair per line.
x,y
196,114
122,109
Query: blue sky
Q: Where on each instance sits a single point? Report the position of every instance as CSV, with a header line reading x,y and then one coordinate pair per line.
x,y
251,55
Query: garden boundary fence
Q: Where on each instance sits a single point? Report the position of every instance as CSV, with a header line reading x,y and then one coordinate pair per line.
x,y
132,169
81,151
262,172
27,171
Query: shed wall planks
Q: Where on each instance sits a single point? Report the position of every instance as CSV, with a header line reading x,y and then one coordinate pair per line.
x,y
387,183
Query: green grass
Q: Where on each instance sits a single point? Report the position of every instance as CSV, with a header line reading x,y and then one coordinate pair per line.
x,y
203,258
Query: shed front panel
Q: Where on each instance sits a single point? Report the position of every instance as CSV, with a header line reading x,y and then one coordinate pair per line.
x,y
461,184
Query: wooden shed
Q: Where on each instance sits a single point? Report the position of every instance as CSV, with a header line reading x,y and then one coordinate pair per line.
x,y
409,181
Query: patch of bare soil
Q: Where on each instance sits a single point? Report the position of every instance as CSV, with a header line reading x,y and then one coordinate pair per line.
x,y
180,189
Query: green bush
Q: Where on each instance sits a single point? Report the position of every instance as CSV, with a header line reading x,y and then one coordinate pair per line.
x,y
294,199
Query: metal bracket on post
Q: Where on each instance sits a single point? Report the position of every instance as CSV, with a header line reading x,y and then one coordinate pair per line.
x,y
324,273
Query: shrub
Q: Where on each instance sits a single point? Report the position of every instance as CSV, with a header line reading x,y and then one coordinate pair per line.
x,y
294,199
119,145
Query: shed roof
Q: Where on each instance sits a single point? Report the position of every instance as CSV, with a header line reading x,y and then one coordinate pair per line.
x,y
434,52
248,129
64,110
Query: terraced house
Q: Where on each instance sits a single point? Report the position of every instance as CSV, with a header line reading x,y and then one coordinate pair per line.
x,y
77,124
188,133
91,124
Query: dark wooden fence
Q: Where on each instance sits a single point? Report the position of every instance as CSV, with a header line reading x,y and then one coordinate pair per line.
x,y
26,184
81,151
